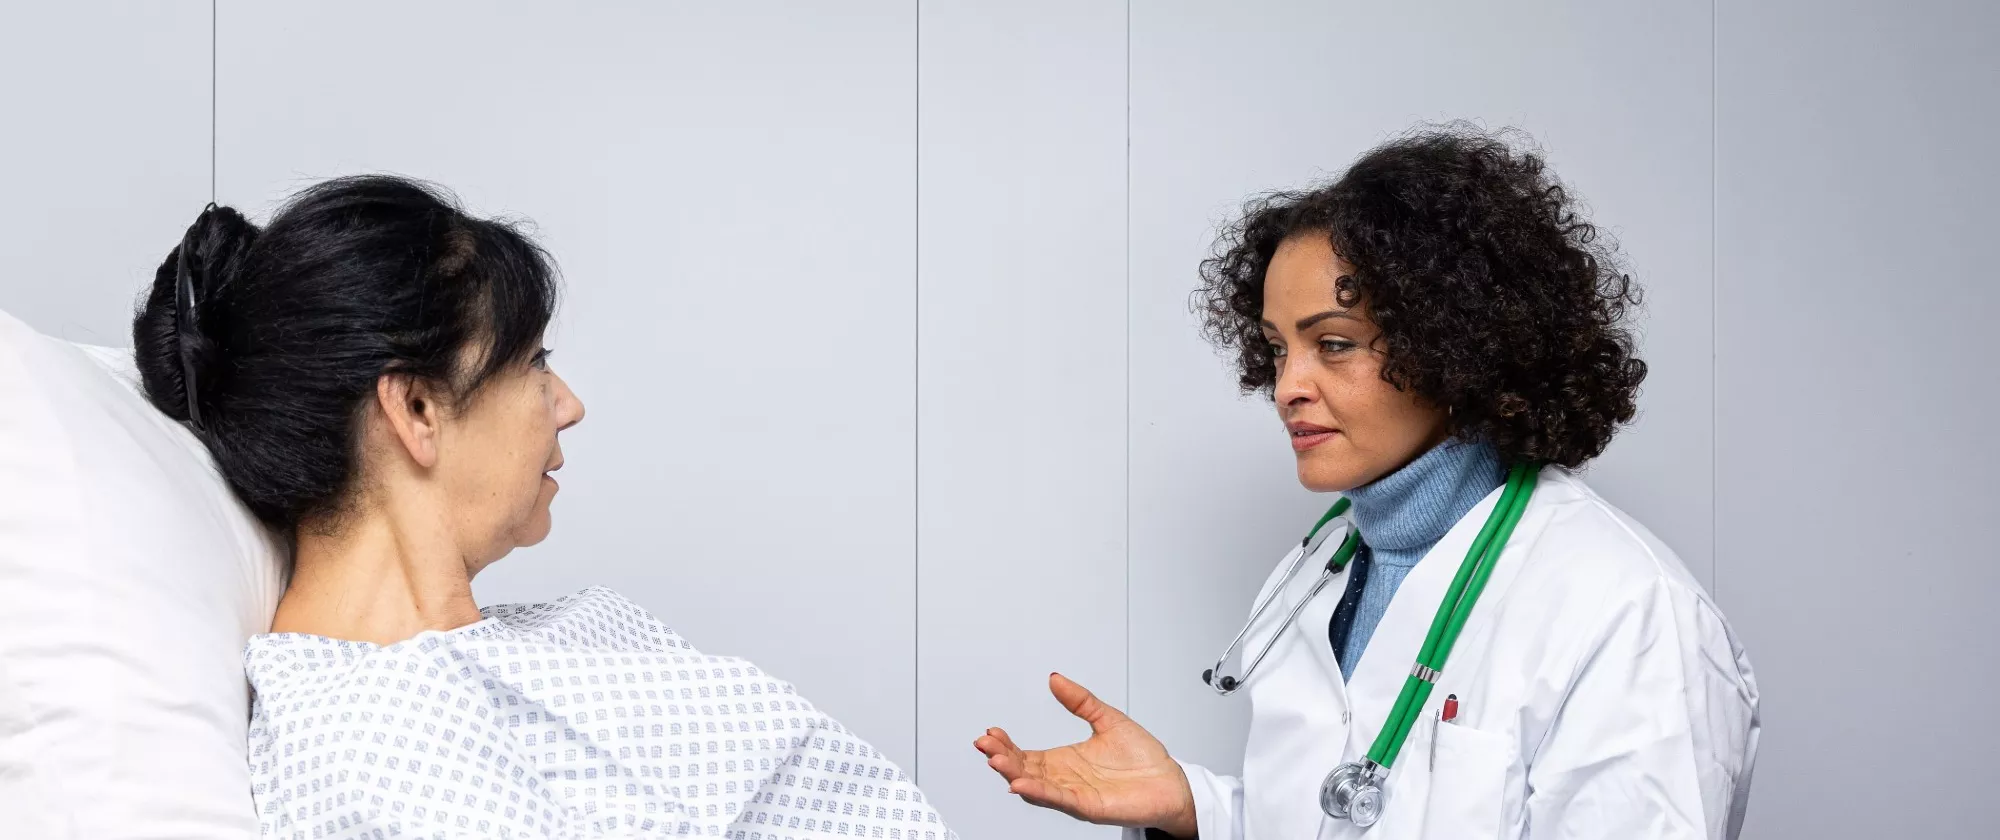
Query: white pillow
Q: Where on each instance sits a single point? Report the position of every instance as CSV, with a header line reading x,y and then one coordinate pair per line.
x,y
130,578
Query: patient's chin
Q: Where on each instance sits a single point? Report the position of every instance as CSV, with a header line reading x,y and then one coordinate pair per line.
x,y
533,526
535,529
536,525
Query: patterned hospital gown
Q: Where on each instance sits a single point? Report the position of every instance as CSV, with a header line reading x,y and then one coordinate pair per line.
x,y
579,718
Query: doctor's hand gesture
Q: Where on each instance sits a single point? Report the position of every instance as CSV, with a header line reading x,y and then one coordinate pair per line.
x,y
1120,776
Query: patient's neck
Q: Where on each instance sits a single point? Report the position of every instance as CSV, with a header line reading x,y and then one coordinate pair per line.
x,y
378,577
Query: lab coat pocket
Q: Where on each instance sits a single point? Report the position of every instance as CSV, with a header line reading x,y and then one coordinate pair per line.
x,y
1468,778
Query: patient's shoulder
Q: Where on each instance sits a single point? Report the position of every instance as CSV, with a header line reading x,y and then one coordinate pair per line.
x,y
596,618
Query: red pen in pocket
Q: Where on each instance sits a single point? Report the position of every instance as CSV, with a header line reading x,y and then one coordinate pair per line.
x,y
1447,714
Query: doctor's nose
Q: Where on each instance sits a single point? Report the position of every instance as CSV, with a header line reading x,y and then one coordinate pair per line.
x,y
1294,385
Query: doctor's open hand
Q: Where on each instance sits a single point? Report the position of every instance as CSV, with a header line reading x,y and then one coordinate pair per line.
x,y
1120,776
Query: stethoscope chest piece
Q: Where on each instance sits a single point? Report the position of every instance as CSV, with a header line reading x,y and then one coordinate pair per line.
x,y
1351,793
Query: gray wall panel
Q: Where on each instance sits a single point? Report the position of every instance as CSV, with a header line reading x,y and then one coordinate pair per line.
x,y
1855,397
106,144
1021,457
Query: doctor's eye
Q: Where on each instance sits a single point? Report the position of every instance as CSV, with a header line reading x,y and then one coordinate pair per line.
x,y
540,361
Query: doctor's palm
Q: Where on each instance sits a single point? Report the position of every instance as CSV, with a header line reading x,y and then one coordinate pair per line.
x,y
1121,775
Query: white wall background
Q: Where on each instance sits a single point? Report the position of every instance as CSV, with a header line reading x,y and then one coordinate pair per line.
x,y
881,312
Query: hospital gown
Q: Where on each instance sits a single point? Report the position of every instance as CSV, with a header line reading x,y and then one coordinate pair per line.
x,y
579,718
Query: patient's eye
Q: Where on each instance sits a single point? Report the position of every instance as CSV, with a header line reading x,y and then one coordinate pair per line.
x,y
540,361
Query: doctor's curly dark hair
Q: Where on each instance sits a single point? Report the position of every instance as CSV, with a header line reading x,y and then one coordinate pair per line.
x,y
1495,298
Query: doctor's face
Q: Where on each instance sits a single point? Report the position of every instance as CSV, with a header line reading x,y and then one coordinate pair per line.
x,y
1347,425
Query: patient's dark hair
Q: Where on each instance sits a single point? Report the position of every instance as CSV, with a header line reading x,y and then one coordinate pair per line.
x,y
269,342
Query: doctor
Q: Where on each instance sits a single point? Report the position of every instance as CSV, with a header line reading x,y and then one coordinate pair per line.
x,y
1472,644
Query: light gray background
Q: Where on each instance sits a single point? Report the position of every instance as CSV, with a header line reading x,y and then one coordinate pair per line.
x,y
880,310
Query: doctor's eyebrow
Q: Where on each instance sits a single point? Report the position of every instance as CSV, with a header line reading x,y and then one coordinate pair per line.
x,y
1307,322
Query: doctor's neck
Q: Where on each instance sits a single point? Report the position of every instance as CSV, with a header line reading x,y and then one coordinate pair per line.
x,y
1404,513
383,575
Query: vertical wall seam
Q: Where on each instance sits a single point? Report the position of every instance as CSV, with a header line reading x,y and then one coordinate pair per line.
x,y
1714,309
1129,696
916,393
213,50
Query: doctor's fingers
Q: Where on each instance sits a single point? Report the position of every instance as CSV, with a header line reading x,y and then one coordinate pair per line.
x,y
996,741
1001,754
1010,767
1042,794
1080,702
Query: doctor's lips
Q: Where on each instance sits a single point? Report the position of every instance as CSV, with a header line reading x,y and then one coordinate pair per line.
x,y
1308,435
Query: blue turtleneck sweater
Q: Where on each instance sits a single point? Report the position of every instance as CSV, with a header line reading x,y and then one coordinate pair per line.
x,y
1400,516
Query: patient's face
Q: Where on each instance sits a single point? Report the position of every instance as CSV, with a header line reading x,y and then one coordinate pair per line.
x,y
496,457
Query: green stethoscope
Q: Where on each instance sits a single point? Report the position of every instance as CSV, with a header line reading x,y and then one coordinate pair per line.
x,y
1353,791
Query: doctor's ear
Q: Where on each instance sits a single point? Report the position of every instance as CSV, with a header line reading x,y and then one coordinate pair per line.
x,y
414,410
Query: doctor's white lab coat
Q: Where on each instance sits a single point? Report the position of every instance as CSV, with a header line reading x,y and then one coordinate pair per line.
x,y
1601,696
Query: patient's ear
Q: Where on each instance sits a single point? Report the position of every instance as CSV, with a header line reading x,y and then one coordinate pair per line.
x,y
411,407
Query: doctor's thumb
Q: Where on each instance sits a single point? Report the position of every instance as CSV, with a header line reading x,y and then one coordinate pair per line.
x,y
1080,702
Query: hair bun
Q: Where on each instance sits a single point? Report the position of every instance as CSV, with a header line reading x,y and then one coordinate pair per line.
x,y
174,335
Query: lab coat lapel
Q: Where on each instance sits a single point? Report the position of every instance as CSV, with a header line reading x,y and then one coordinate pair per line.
x,y
1304,640
1299,719
1311,626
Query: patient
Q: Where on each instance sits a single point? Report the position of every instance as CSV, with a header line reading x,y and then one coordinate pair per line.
x,y
368,372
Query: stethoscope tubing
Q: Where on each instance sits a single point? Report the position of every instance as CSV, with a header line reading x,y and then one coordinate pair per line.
x,y
1453,613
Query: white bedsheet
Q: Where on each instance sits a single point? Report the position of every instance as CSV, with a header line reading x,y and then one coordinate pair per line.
x,y
580,718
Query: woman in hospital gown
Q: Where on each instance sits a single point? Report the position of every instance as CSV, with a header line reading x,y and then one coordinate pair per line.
x,y
367,371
